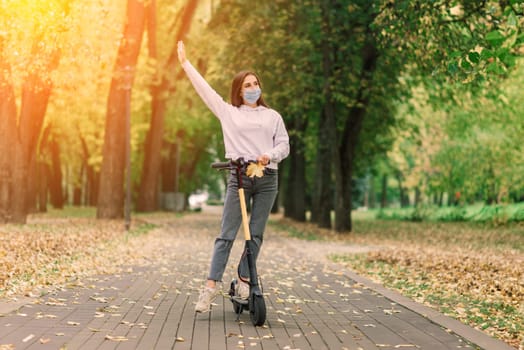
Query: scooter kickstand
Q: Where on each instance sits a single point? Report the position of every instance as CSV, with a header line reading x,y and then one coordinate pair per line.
x,y
241,307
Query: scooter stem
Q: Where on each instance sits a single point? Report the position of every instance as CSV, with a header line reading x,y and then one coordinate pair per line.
x,y
245,222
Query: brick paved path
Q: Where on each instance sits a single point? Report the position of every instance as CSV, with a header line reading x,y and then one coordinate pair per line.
x,y
311,304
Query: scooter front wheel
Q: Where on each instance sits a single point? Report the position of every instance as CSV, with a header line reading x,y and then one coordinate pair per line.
x,y
257,310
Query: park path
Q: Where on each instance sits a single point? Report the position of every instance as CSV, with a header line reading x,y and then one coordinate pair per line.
x,y
312,303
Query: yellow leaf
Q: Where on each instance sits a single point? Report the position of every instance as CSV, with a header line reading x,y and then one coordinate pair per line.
x,y
116,338
28,338
255,169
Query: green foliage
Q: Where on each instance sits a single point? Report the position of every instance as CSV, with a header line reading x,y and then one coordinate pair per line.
x,y
465,41
418,214
456,214
468,145
492,214
518,215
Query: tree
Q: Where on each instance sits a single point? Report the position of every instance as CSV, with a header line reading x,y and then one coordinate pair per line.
x,y
111,194
34,69
147,196
455,65
7,132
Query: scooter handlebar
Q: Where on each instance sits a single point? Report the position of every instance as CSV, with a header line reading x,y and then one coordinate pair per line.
x,y
222,165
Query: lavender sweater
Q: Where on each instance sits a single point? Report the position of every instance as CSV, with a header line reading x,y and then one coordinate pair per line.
x,y
248,132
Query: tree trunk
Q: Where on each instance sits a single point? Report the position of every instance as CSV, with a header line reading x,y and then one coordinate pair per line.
x,y
92,183
35,96
372,198
55,178
418,196
404,198
168,167
384,192
32,185
349,138
323,195
42,186
19,139
323,202
77,189
148,192
7,132
295,197
111,192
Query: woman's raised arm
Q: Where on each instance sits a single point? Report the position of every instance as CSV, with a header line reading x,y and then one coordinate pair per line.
x,y
214,101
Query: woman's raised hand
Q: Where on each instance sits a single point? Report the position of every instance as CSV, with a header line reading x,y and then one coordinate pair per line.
x,y
181,52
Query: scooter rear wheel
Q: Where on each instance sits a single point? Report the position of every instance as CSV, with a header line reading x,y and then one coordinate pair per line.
x,y
257,310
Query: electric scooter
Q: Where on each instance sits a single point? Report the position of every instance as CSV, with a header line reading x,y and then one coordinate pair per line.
x,y
255,303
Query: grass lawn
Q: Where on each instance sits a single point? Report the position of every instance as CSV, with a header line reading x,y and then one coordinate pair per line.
x,y
471,271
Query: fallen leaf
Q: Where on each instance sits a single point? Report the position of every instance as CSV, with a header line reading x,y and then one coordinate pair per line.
x,y
28,338
116,338
7,347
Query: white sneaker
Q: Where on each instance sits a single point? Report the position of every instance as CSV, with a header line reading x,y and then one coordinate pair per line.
x,y
242,290
207,296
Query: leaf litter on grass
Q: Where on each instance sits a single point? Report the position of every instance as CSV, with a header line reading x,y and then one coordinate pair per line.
x,y
53,252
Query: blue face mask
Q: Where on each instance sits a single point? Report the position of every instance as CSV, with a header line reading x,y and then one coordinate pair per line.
x,y
252,96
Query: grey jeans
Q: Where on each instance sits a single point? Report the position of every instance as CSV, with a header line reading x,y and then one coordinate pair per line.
x,y
260,195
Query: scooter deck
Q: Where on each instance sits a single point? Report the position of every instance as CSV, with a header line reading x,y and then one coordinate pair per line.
x,y
239,300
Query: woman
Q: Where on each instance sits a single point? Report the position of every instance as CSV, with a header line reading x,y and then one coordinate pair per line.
x,y
252,131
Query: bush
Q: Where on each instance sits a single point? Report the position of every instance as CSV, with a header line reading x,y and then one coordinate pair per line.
x,y
494,214
518,215
456,214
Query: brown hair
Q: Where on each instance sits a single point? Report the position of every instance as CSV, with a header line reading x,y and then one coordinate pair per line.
x,y
236,86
